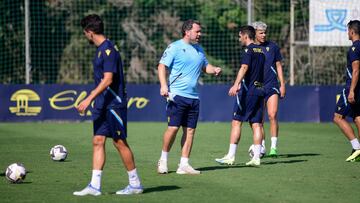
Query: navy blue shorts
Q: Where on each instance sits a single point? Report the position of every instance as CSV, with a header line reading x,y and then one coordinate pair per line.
x,y
344,108
248,108
110,122
183,111
271,90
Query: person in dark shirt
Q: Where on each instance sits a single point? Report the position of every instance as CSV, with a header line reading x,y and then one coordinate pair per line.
x,y
349,100
110,108
249,93
274,84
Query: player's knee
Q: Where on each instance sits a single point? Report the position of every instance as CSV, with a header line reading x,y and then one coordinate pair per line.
x,y
337,118
272,116
235,123
98,141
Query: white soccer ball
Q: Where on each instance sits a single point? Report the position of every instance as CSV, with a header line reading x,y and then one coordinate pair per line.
x,y
251,151
15,173
58,153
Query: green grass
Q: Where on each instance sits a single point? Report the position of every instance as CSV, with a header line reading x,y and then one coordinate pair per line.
x,y
311,167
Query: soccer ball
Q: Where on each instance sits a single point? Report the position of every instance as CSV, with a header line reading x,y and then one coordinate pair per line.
x,y
15,173
58,153
251,151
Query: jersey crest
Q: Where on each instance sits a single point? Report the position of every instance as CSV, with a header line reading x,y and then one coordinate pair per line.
x,y
108,51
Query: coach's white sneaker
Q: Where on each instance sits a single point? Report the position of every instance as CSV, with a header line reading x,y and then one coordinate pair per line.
x,y
131,190
226,160
187,169
162,167
253,162
89,190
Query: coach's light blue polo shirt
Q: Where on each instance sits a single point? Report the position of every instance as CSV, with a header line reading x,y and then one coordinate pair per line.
x,y
185,62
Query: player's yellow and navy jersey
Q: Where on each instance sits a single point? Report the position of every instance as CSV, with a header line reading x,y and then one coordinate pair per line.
x,y
107,59
272,55
254,77
353,54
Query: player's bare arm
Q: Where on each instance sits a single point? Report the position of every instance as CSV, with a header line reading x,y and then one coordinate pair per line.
x,y
281,79
105,82
354,81
210,69
164,90
236,87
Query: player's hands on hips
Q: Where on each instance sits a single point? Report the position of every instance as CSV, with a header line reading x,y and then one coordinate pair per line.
x,y
83,105
217,71
234,90
282,91
351,97
164,91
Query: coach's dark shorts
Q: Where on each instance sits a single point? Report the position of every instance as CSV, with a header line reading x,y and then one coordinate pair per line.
x,y
110,122
344,108
183,111
271,90
248,108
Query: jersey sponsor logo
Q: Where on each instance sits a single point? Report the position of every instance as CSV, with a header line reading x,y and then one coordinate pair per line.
x,y
257,50
22,98
108,51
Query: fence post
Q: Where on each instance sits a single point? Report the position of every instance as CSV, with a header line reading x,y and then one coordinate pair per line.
x,y
249,12
27,42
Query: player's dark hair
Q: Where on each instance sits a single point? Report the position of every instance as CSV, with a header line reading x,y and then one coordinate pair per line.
x,y
93,23
355,26
248,30
188,25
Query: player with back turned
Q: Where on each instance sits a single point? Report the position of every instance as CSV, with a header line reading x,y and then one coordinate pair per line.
x,y
349,100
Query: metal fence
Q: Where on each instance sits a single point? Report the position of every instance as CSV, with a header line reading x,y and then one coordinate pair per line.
x,y
58,52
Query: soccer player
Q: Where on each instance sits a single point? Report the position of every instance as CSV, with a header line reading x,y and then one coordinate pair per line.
x,y
110,108
185,60
249,94
349,101
273,74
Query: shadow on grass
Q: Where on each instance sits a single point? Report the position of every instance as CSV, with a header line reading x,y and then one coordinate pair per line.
x,y
211,168
156,189
282,162
161,188
294,155
221,167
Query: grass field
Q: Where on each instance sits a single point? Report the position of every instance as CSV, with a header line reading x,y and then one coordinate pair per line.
x,y
311,166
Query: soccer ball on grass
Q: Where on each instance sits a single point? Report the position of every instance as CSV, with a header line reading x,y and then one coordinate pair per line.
x,y
251,152
58,153
15,173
